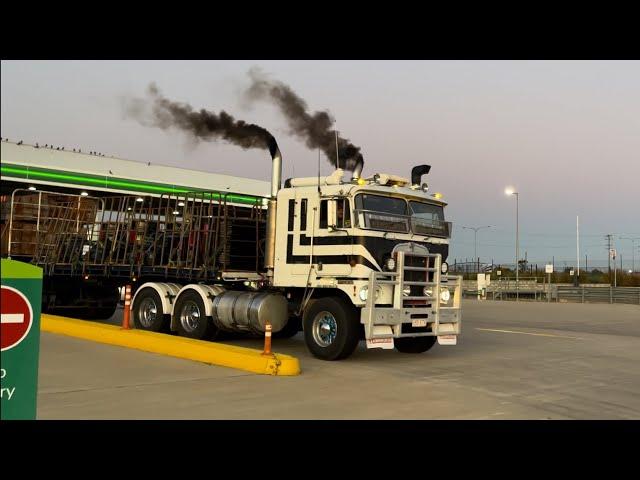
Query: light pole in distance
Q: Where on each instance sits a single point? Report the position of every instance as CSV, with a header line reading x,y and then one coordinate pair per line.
x,y
475,242
633,250
512,191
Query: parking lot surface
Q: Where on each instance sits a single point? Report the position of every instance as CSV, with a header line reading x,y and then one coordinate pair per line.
x,y
521,360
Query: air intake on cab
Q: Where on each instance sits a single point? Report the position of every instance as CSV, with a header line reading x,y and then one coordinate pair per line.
x,y
417,172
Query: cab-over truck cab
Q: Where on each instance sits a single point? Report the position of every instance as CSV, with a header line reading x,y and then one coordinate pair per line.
x,y
366,258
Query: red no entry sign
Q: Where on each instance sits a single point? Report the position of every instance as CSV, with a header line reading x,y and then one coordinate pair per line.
x,y
16,317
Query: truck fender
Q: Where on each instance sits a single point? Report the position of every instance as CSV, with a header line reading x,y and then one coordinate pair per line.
x,y
206,292
167,292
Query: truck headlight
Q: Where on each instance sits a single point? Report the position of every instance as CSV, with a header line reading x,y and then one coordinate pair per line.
x,y
428,291
390,264
444,268
364,293
406,291
444,295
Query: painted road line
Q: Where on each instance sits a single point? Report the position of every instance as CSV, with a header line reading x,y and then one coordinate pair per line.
x,y
231,356
12,318
527,333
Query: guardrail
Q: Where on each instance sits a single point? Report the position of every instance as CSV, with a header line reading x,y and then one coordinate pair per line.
x,y
630,295
557,293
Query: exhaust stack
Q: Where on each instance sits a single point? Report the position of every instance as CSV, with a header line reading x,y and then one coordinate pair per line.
x,y
276,167
357,169
276,181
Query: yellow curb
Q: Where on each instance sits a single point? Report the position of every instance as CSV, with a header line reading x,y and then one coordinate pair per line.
x,y
231,356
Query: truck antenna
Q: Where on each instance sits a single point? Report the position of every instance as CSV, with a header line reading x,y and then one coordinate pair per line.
x,y
318,171
337,154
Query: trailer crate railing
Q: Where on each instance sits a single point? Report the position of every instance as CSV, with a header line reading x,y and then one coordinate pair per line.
x,y
193,235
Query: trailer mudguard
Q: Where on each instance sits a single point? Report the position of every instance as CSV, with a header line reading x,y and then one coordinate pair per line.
x,y
167,291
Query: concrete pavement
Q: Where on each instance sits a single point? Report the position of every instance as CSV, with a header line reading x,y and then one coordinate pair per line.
x,y
514,361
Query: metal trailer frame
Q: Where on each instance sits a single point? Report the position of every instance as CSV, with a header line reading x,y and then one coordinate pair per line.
x,y
195,236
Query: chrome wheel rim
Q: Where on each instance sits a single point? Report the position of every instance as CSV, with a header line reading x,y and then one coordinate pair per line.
x,y
324,328
190,316
148,312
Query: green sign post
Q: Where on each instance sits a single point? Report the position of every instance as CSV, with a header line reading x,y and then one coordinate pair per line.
x,y
20,339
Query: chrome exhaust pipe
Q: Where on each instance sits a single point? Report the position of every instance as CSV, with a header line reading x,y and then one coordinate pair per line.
x,y
276,181
357,170
276,168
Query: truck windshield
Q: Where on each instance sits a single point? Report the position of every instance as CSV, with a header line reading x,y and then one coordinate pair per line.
x,y
391,214
379,212
427,219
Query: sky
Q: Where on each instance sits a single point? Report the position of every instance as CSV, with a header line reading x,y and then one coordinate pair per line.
x,y
564,134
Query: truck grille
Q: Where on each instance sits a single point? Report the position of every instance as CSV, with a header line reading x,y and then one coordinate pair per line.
x,y
418,272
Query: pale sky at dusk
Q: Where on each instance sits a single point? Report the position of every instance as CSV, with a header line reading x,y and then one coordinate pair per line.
x,y
565,134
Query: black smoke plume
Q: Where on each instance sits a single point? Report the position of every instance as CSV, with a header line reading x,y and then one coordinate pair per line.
x,y
315,129
158,111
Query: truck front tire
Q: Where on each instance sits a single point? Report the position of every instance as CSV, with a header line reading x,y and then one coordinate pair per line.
x,y
147,311
331,328
414,344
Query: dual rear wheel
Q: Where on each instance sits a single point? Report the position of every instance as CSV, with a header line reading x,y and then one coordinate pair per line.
x,y
189,311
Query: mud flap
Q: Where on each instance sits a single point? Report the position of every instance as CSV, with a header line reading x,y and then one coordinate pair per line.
x,y
383,337
446,334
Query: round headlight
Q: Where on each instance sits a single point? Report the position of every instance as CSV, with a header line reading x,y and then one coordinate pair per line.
x,y
364,293
425,187
444,267
444,295
406,291
428,292
390,264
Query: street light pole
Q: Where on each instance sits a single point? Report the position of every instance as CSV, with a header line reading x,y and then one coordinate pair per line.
x,y
475,242
511,191
633,251
517,247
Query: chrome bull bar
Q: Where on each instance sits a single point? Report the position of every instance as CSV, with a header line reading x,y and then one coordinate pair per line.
x,y
415,300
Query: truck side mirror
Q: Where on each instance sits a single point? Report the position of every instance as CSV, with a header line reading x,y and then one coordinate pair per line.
x,y
331,214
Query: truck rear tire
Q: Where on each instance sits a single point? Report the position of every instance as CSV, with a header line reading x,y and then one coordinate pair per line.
x,y
190,317
331,328
414,344
148,313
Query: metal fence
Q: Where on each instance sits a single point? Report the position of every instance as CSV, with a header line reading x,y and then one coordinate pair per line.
x,y
583,294
530,289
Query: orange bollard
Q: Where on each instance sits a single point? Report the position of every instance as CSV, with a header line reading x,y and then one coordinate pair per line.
x,y
267,340
127,308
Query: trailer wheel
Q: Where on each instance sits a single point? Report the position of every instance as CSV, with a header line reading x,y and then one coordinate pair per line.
x,y
190,317
147,311
414,344
292,327
331,328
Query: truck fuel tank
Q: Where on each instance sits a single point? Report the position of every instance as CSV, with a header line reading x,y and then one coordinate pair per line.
x,y
242,311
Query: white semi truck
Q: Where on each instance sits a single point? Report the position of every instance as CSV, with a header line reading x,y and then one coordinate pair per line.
x,y
343,259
